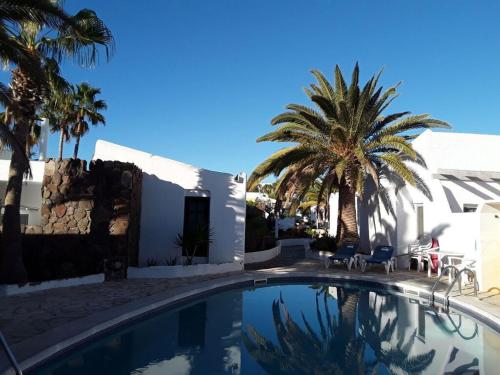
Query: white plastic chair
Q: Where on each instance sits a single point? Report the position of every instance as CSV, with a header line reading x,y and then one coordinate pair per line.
x,y
418,249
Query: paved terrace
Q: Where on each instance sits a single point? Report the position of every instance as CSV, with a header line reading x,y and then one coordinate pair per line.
x,y
32,322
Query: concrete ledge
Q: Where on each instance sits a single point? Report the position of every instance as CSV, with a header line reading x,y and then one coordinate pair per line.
x,y
160,272
13,289
262,256
295,241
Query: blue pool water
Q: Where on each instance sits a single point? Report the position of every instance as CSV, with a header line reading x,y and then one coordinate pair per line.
x,y
291,329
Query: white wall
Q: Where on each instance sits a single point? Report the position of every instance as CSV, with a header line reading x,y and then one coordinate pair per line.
x,y
488,263
443,216
166,182
31,196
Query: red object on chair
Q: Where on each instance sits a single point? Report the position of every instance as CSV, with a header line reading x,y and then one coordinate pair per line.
x,y
434,257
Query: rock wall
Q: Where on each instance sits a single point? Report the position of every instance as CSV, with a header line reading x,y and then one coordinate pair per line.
x,y
67,197
95,211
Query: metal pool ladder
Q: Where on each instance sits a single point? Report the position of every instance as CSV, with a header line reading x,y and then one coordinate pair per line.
x,y
10,355
458,276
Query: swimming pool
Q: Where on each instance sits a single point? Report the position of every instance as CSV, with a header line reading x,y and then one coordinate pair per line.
x,y
291,329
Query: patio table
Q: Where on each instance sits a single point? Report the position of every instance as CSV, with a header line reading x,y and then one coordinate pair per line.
x,y
440,255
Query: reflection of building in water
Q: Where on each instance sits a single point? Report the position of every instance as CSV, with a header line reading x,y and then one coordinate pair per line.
x,y
332,290
459,343
194,346
199,339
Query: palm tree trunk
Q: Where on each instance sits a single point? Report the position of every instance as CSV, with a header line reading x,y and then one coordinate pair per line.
x,y
347,304
61,143
347,224
347,301
26,98
77,146
11,260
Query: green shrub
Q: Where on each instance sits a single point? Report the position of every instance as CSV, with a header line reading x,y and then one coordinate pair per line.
x,y
325,243
257,234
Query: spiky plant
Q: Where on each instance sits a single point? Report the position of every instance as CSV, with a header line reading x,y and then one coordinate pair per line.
x,y
86,109
40,40
346,141
198,237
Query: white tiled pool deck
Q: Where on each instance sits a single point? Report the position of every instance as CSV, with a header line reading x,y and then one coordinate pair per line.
x,y
39,324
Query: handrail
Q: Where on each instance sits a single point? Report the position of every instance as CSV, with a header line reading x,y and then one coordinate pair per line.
x,y
10,355
457,277
443,269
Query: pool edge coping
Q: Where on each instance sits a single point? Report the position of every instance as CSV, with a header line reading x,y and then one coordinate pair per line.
x,y
238,281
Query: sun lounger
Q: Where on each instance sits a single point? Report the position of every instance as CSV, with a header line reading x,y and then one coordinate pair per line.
x,y
344,255
381,255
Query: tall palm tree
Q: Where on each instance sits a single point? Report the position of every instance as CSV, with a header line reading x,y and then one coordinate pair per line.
x,y
40,42
345,142
12,12
57,110
86,108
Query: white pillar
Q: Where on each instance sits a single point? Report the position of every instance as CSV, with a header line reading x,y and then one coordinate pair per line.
x,y
44,139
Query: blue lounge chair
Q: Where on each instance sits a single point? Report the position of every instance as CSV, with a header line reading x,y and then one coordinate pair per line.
x,y
381,255
344,255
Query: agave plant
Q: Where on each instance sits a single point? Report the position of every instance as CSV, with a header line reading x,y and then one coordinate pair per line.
x,y
192,241
345,142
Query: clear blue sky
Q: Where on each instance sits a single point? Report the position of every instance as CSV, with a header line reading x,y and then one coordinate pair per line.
x,y
198,81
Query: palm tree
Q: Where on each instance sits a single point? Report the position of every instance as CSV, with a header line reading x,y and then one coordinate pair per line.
x,y
57,110
41,43
345,142
86,108
12,12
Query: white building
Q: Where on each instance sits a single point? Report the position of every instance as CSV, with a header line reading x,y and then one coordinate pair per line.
x,y
175,194
31,196
463,175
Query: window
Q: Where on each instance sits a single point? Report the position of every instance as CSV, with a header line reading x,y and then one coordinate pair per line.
x,y
196,216
468,207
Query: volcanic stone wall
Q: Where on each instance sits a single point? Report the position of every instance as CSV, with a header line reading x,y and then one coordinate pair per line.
x,y
87,214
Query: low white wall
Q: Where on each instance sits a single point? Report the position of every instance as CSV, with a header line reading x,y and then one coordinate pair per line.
x,y
295,241
167,272
262,256
12,289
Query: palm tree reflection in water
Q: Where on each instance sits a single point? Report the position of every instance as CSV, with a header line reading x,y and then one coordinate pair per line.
x,y
354,342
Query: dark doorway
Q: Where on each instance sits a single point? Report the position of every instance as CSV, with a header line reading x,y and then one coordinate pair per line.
x,y
196,215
